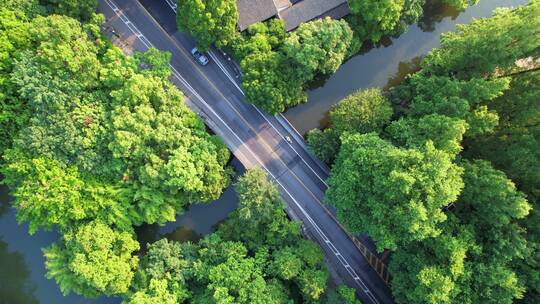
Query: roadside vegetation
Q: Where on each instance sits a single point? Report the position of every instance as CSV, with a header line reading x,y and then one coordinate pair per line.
x,y
278,66
448,181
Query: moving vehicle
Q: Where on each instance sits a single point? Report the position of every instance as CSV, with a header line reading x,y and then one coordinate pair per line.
x,y
199,57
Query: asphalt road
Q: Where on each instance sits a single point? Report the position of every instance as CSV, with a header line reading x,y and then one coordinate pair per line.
x,y
255,138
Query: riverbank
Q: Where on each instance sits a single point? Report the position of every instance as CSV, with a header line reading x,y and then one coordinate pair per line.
x,y
388,63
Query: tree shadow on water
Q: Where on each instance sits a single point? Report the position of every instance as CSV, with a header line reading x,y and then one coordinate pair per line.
x,y
15,286
405,68
434,12
5,200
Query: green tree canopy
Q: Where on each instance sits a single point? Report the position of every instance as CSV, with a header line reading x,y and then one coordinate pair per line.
x,y
374,18
363,111
260,219
318,47
79,9
93,259
162,275
166,154
209,21
269,82
512,148
454,98
395,195
431,271
477,49
324,144
445,132
491,206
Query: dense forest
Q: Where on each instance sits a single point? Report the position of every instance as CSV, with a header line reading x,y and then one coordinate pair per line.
x,y
277,65
442,170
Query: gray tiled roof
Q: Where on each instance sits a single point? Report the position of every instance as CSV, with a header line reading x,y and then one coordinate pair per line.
x,y
307,10
253,11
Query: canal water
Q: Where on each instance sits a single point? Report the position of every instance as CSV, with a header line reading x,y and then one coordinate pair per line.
x,y
386,64
22,272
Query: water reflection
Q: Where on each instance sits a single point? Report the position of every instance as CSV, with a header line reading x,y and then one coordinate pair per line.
x,y
379,65
17,245
434,12
198,221
15,285
404,68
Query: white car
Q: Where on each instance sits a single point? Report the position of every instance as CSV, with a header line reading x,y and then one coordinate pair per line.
x,y
199,57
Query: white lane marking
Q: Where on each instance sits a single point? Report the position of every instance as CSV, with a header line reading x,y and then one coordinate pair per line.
x,y
221,66
175,73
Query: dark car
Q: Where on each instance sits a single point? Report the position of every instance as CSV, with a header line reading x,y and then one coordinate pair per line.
x,y
199,57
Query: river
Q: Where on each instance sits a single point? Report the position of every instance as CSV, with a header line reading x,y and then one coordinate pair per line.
x,y
388,63
22,273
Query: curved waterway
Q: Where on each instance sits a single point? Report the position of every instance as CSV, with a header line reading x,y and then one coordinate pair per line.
x,y
22,270
388,63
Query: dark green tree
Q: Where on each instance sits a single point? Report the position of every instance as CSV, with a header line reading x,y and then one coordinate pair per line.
x,y
512,148
79,9
324,144
269,82
163,274
431,271
458,99
363,111
372,19
212,21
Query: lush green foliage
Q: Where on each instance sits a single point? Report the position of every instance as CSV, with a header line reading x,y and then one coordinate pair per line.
x,y
513,145
463,99
372,182
373,19
484,45
92,259
256,256
209,21
318,47
342,295
324,144
471,261
445,132
13,37
260,219
363,111
96,142
476,238
114,124
277,65
430,271
80,9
